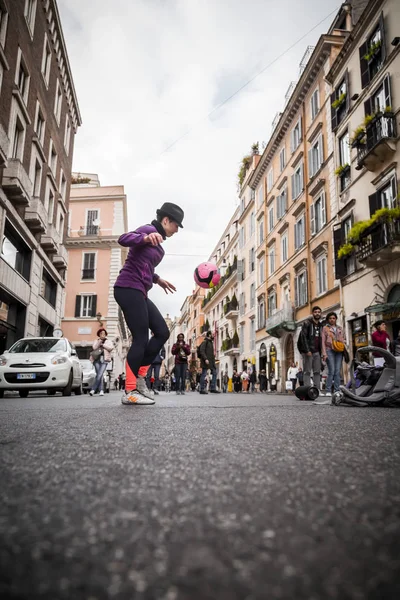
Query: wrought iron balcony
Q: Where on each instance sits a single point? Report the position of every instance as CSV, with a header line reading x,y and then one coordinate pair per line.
x,y
281,321
380,244
88,273
231,311
377,145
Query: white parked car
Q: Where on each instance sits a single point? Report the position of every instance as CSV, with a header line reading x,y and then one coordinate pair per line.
x,y
88,374
45,363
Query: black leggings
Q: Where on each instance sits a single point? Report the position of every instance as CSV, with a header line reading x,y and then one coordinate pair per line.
x,y
141,315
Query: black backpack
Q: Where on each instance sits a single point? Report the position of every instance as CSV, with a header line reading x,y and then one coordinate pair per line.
x,y
198,351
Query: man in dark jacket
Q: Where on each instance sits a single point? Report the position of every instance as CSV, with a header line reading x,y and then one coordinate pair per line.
x,y
154,370
310,346
207,360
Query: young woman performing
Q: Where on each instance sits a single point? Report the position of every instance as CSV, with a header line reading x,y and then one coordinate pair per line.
x,y
135,280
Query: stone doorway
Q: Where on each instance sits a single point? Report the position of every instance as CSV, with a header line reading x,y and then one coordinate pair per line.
x,y
289,355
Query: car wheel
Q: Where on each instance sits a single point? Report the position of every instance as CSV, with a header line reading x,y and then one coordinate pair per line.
x,y
23,393
78,390
50,392
68,388
1,393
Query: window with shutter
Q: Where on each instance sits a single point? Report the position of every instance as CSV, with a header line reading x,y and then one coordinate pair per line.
x,y
340,263
312,219
373,54
91,222
374,205
89,260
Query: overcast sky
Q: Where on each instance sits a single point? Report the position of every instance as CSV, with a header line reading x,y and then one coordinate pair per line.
x,y
147,71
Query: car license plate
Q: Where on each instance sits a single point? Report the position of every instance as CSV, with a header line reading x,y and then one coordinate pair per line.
x,y
26,376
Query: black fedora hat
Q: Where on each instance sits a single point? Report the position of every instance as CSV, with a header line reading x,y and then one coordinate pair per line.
x,y
173,211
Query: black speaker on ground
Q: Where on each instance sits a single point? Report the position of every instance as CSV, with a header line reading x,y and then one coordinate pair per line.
x,y
307,392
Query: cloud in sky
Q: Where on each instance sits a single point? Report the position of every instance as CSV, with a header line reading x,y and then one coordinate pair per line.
x,y
148,71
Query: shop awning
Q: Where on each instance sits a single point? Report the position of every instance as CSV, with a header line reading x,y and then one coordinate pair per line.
x,y
386,307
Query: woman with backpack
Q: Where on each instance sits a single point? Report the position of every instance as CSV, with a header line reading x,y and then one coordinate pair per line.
x,y
181,351
333,348
100,357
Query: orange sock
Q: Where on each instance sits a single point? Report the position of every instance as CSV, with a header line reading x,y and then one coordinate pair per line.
x,y
130,382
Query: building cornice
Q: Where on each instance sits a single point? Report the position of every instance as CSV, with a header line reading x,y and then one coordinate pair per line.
x,y
320,54
109,242
368,16
61,54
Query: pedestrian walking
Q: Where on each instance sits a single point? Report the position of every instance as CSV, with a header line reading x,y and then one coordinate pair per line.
x,y
333,347
181,351
380,339
236,382
100,357
225,381
292,375
207,359
252,381
262,380
154,371
300,376
131,289
310,346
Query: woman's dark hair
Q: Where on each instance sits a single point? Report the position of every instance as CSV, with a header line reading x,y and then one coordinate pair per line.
x,y
378,323
180,335
331,314
160,215
100,330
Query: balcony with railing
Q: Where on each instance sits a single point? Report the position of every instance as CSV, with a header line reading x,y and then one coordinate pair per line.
x,y
50,240
230,347
281,321
379,244
231,269
88,274
377,144
231,310
36,215
16,182
60,260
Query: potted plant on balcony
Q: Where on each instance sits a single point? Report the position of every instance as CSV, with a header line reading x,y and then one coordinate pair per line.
x,y
373,51
226,305
388,112
234,302
244,166
235,340
358,136
342,169
255,149
339,101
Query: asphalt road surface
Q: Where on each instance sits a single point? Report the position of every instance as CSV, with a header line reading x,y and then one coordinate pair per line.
x,y
220,497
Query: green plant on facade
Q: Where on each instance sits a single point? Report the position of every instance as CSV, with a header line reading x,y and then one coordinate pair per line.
x,y
358,133
80,180
339,101
235,339
373,49
383,215
234,302
341,169
244,166
255,149
388,109
368,119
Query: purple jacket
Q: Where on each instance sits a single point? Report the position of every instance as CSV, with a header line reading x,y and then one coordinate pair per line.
x,y
138,270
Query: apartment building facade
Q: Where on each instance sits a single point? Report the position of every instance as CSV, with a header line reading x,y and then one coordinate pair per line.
x,y
39,117
367,152
247,280
295,192
97,217
220,305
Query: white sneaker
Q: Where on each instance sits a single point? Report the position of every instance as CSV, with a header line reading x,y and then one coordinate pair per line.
x,y
322,402
101,393
328,394
142,387
91,392
135,397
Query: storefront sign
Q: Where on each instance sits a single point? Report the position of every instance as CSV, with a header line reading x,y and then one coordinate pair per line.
x,y
84,330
